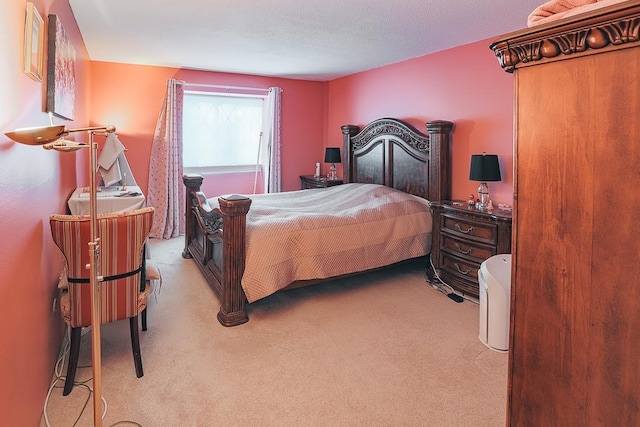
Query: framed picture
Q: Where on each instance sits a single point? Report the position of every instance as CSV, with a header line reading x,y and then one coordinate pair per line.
x,y
61,71
33,43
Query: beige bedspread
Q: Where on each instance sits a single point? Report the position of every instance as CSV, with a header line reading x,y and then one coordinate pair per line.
x,y
557,9
321,233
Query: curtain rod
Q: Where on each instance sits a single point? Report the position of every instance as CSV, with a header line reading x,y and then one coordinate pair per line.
x,y
204,85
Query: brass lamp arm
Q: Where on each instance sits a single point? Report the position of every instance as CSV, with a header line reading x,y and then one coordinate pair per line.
x,y
106,129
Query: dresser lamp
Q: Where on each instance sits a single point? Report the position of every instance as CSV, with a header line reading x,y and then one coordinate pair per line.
x,y
332,155
484,167
51,138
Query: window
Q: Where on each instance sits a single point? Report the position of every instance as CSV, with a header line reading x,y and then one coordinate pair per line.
x,y
221,132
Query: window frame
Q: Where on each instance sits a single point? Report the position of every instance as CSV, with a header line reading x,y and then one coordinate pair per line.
x,y
256,167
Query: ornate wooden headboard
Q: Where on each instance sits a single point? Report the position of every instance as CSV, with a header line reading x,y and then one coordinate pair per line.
x,y
393,153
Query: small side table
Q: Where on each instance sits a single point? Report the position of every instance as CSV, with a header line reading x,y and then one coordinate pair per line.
x,y
310,181
463,237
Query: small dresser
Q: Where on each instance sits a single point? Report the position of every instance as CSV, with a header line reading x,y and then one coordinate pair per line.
x,y
310,181
463,237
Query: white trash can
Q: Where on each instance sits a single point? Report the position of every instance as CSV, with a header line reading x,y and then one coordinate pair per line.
x,y
494,278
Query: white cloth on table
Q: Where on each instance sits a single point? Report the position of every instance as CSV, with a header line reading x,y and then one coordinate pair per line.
x,y
112,163
110,199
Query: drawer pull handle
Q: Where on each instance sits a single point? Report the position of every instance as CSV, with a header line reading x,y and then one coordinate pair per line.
x,y
460,271
467,231
462,251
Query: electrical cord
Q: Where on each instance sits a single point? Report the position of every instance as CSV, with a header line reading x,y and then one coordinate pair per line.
x,y
439,286
58,376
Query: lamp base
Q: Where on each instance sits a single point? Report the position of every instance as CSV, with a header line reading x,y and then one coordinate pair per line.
x,y
483,194
332,172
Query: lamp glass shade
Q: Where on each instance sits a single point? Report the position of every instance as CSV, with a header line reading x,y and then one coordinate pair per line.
x,y
332,155
484,167
37,135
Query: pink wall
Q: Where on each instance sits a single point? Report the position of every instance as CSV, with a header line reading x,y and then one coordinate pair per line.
x,y
130,97
34,183
464,85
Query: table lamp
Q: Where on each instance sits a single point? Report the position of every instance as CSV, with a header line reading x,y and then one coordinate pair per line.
x,y
51,137
332,155
484,167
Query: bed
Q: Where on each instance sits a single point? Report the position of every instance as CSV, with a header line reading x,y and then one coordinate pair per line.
x,y
387,159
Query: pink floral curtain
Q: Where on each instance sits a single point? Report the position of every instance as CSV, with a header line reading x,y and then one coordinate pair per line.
x,y
273,179
166,193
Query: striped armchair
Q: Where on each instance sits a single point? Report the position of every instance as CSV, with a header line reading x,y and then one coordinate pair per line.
x,y
123,291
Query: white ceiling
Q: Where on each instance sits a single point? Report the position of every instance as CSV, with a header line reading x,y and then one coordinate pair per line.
x,y
301,39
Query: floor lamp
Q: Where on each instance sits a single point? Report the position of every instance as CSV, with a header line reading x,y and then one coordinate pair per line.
x,y
52,138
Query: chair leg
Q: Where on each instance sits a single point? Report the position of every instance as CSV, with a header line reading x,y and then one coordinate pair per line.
x,y
144,319
135,345
74,353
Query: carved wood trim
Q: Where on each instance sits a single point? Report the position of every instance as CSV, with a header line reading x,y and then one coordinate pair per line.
x,y
601,30
233,300
439,159
391,127
192,182
348,131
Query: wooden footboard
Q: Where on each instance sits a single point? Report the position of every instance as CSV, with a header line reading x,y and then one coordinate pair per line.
x,y
215,239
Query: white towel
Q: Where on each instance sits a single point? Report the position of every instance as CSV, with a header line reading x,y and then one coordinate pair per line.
x,y
125,171
108,164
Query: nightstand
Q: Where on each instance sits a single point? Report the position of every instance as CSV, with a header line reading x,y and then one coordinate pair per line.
x,y
310,181
463,237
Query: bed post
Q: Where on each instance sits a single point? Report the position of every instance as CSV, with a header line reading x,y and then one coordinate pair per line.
x,y
233,300
347,132
192,182
439,160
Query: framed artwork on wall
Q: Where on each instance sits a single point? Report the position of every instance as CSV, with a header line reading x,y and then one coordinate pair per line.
x,y
33,43
61,71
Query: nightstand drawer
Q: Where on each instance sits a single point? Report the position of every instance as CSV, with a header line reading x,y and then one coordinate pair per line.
x,y
462,274
466,228
461,268
472,251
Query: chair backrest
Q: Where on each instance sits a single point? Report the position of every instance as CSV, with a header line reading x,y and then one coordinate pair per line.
x,y
122,238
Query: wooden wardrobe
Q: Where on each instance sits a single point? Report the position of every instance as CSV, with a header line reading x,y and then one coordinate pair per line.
x,y
574,357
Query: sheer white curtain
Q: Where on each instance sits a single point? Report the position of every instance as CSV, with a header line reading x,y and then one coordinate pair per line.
x,y
271,141
165,192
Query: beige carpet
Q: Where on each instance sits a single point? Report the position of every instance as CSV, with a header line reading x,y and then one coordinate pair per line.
x,y
376,350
